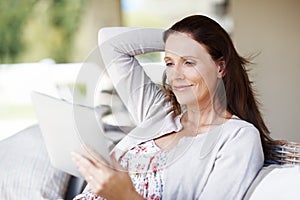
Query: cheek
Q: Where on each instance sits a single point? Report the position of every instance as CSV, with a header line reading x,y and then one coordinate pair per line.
x,y
195,75
170,75
207,75
202,81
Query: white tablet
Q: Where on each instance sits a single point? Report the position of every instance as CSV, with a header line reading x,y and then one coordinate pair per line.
x,y
66,128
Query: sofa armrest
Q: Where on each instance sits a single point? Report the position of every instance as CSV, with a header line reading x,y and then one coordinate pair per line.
x,y
25,169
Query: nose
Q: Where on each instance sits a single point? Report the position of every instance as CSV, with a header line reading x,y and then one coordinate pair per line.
x,y
177,71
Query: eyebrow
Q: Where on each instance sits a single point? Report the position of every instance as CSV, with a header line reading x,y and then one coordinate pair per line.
x,y
181,57
167,58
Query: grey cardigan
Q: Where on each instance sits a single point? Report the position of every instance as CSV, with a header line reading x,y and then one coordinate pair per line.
x,y
218,164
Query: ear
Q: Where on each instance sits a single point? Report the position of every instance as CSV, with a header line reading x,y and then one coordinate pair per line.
x,y
221,68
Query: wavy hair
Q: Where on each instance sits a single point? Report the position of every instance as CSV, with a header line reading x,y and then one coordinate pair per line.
x,y
239,95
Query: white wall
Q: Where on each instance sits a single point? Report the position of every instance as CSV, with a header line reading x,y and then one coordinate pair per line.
x,y
272,29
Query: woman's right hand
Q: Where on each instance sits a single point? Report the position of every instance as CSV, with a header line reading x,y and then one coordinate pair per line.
x,y
108,181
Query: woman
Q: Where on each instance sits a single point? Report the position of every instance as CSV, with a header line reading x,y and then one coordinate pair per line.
x,y
200,136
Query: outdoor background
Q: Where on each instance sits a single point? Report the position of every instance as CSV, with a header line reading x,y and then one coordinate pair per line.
x,y
43,44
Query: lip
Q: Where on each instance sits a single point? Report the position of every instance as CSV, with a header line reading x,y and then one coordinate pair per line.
x,y
181,87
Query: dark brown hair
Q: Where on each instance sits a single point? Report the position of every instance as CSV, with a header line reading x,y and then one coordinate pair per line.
x,y
240,98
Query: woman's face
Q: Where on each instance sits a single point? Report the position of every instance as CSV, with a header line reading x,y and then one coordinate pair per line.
x,y
191,72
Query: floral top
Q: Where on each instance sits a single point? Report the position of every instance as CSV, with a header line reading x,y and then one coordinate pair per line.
x,y
145,163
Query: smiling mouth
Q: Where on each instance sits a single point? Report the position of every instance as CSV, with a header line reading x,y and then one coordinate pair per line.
x,y
181,87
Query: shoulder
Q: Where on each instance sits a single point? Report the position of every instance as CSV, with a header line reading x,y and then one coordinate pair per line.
x,y
241,140
240,130
235,125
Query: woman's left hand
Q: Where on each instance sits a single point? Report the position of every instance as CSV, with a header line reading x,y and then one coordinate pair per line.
x,y
108,181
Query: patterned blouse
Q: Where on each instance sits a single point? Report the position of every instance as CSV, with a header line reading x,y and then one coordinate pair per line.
x,y
145,163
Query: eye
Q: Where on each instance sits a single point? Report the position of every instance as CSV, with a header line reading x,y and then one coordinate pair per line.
x,y
189,63
169,64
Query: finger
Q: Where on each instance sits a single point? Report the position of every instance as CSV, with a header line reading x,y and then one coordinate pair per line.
x,y
89,171
78,158
84,165
117,166
95,157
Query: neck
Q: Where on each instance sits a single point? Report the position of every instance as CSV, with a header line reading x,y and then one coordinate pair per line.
x,y
201,118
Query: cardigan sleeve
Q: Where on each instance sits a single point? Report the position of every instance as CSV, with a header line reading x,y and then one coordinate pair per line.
x,y
237,164
118,47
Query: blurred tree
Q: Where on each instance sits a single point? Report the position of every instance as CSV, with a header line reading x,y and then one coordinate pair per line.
x,y
13,14
19,21
65,16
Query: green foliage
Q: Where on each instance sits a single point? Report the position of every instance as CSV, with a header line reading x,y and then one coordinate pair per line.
x,y
17,16
64,15
13,14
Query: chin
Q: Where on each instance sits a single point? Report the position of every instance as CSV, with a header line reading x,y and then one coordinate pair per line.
x,y
185,101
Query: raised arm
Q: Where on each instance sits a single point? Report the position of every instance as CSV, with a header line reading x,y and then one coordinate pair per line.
x,y
118,46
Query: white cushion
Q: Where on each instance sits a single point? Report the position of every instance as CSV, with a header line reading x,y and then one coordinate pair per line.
x,y
276,182
25,169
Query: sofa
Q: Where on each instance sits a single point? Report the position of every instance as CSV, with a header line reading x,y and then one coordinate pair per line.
x,y
26,171
279,178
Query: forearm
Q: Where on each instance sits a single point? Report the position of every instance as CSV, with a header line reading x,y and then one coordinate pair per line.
x,y
115,41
